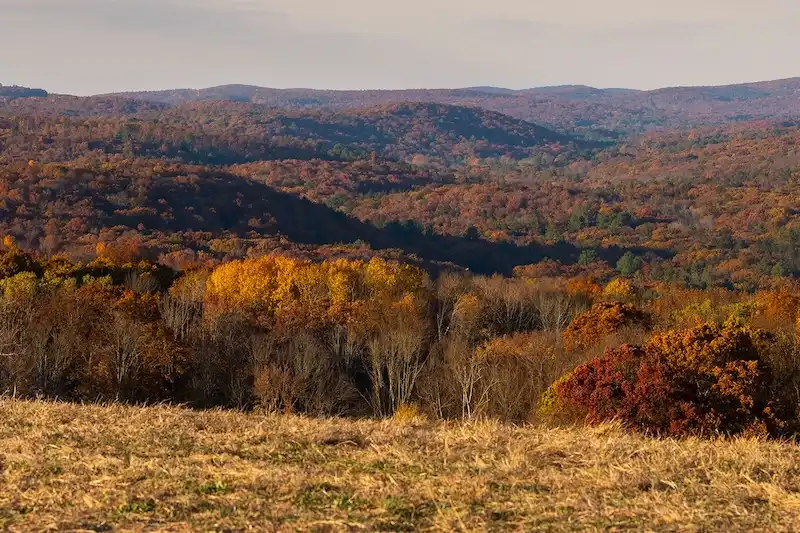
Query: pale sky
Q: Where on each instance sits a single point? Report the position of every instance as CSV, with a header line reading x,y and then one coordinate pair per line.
x,y
95,46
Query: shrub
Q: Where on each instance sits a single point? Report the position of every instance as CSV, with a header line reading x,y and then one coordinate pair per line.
x,y
620,289
406,413
602,320
708,379
515,370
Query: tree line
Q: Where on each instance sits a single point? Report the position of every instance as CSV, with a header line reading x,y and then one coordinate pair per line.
x,y
372,337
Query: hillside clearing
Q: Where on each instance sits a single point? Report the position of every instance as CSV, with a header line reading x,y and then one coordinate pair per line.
x,y
103,468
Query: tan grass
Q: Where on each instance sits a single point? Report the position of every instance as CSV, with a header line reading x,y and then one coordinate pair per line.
x,y
81,468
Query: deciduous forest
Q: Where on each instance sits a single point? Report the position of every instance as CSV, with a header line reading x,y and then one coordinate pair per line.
x,y
554,255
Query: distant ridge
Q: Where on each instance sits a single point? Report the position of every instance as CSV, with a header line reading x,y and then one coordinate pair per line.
x,y
491,90
16,91
586,112
576,109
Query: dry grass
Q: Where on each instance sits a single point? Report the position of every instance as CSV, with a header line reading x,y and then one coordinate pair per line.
x,y
66,467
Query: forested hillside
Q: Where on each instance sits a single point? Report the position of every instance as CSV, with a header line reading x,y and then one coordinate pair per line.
x,y
60,128
404,257
709,206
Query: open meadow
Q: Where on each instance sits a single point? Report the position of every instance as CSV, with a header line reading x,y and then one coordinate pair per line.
x,y
70,467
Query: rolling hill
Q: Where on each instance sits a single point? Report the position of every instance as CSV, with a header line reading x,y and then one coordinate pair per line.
x,y
232,132
596,113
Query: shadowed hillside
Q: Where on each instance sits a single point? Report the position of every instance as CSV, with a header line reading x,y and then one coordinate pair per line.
x,y
63,204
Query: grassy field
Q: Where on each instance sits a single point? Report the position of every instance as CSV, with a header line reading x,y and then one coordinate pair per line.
x,y
94,468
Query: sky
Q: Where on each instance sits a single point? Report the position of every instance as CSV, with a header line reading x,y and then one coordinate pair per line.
x,y
96,46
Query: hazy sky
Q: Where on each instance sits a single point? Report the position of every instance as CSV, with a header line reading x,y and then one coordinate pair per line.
x,y
93,46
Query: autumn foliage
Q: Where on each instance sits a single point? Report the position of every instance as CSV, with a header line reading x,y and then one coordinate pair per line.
x,y
602,320
377,337
705,380
404,258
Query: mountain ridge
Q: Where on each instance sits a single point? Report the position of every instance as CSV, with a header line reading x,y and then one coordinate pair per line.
x,y
596,114
790,81
588,111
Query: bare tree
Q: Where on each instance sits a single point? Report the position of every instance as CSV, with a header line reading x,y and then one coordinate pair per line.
x,y
126,345
508,303
449,288
141,283
51,350
468,372
343,343
395,362
14,321
182,316
220,359
300,374
556,309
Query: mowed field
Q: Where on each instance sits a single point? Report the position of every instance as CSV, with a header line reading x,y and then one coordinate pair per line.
x,y
113,468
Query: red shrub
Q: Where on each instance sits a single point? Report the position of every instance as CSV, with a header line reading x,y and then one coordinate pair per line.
x,y
704,380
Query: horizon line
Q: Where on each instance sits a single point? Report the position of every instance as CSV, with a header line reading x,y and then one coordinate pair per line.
x,y
405,89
